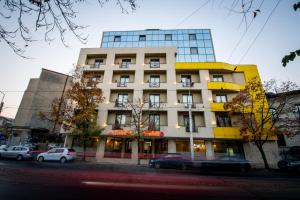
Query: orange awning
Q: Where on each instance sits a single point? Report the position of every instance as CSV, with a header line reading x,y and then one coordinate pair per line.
x,y
120,132
153,134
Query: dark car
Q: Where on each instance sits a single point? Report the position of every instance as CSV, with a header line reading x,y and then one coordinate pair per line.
x,y
291,159
175,160
224,163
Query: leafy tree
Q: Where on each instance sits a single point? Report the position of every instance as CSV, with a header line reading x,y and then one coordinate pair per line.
x,y
76,111
259,123
20,18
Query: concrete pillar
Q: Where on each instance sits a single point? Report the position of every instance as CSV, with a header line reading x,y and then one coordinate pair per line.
x,y
171,146
123,148
134,150
100,149
153,148
68,141
209,150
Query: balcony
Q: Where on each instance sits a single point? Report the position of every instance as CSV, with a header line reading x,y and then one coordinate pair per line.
x,y
121,104
154,84
122,84
194,129
227,132
217,107
225,86
187,84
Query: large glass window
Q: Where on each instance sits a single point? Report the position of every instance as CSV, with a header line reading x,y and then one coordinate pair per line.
x,y
223,120
186,80
221,98
124,80
193,50
120,119
154,122
297,111
125,63
192,37
154,100
168,37
218,78
142,38
113,147
117,38
154,63
187,123
98,62
122,100
154,81
187,99
228,149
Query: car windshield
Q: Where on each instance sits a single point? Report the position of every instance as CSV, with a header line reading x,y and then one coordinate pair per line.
x,y
71,150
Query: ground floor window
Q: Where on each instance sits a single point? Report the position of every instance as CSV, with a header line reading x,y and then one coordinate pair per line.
x,y
113,147
229,149
183,146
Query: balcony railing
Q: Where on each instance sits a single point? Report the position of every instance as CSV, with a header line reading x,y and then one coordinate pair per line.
x,y
154,64
122,84
193,104
187,84
124,65
194,129
120,103
154,84
96,65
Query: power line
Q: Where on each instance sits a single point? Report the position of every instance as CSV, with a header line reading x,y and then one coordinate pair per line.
x,y
190,15
260,31
242,37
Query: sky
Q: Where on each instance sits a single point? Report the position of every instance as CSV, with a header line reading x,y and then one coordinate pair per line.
x,y
270,36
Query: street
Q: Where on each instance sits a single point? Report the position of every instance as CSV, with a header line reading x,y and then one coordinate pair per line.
x,y
32,180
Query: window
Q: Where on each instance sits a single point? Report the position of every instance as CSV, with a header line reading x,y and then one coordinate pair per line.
x,y
142,38
154,63
122,100
168,37
117,38
223,120
297,111
154,122
221,98
125,63
218,78
193,50
120,119
273,113
187,123
192,37
154,81
186,80
154,100
98,62
124,80
187,99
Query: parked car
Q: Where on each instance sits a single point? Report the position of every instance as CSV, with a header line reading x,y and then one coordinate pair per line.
x,y
2,147
171,160
224,163
17,152
57,154
291,159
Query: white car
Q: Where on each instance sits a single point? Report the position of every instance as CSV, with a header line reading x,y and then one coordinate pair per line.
x,y
58,154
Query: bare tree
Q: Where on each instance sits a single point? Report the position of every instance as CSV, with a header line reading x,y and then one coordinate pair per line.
x,y
140,119
20,18
259,123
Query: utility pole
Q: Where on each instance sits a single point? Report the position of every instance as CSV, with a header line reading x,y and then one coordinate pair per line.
x,y
191,123
2,102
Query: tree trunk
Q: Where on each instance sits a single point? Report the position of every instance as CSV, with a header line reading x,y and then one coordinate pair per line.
x,y
263,155
138,158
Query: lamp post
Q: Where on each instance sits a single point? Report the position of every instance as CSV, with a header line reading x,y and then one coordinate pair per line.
x,y
2,103
191,124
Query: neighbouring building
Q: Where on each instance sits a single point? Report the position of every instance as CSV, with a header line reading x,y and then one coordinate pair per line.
x,y
291,111
170,70
5,128
28,125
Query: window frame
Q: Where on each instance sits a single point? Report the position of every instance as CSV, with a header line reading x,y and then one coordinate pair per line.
x,y
168,37
194,51
117,38
142,38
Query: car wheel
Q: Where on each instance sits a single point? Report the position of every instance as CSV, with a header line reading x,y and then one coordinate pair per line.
x,y
19,157
157,165
41,159
282,165
183,167
63,160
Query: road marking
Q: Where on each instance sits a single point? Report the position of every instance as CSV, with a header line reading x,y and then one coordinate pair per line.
x,y
148,186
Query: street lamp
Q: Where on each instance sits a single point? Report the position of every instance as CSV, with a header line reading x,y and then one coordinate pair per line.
x,y
191,123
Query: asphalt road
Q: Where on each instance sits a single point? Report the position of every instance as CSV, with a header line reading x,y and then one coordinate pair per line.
x,y
31,180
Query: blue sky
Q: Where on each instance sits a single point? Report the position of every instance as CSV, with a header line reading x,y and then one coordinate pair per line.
x,y
280,36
